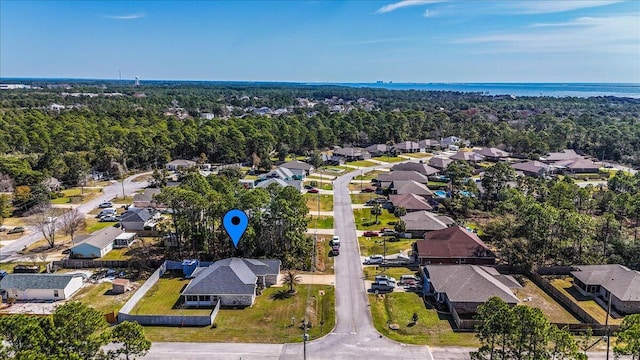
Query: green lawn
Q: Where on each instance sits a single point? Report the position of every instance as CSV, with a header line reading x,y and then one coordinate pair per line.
x,y
117,254
375,245
362,163
389,159
369,175
325,183
437,184
99,297
326,202
95,225
122,200
366,221
370,272
431,328
269,321
586,303
418,155
334,170
324,222
543,301
77,195
362,197
164,298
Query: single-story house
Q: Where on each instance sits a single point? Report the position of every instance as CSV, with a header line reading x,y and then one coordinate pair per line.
x,y
418,167
402,175
351,154
454,140
232,281
454,245
179,164
566,154
469,156
407,147
532,168
429,144
299,165
578,166
401,187
617,282
279,173
410,202
146,198
419,222
439,163
97,244
265,184
40,286
379,149
464,287
492,154
136,219
52,184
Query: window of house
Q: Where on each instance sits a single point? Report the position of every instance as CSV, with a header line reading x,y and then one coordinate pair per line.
x,y
204,298
192,298
55,293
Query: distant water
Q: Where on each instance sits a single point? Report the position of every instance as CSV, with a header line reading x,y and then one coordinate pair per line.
x,y
582,90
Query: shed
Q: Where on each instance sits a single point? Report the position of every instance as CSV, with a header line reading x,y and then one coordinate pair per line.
x,y
120,286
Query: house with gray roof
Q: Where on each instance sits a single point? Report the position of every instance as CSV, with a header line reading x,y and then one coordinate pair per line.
x,y
566,154
616,281
232,282
146,198
97,244
532,168
419,222
379,149
579,166
401,187
299,165
283,183
136,219
492,154
418,167
429,144
403,175
407,147
439,163
179,164
26,287
279,173
464,287
351,154
469,156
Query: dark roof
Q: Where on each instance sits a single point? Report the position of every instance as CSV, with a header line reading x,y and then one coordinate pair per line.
x,y
231,276
429,143
421,168
453,242
423,221
619,280
407,145
466,156
297,164
147,195
492,152
471,283
136,215
581,164
403,175
531,167
36,281
352,152
181,162
411,187
440,163
410,202
101,238
378,148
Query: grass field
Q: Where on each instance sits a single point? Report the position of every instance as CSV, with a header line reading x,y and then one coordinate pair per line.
x,y
362,197
586,303
270,321
99,297
368,176
366,221
326,202
362,163
389,159
82,195
164,298
93,224
432,328
370,272
376,245
418,155
323,222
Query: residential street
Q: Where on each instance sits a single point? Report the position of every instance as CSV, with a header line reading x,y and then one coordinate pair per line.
x,y
8,252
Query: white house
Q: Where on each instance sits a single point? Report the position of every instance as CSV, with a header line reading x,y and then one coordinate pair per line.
x,y
40,286
96,245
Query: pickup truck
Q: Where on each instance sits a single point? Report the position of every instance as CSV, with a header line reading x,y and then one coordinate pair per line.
x,y
382,286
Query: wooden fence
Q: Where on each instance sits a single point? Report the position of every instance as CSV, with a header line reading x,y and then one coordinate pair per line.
x,y
82,264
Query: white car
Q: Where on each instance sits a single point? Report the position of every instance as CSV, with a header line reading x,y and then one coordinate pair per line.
x,y
106,204
386,278
373,259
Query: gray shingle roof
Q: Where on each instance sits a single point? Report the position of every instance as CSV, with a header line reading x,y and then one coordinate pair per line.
x,y
440,163
411,187
230,276
36,281
136,215
102,238
471,283
297,164
403,175
619,280
566,154
492,152
423,220
466,156
421,168
410,202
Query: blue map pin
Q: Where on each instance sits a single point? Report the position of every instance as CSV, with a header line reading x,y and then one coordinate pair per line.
x,y
235,222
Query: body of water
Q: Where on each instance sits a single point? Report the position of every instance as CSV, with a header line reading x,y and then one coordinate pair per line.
x,y
582,90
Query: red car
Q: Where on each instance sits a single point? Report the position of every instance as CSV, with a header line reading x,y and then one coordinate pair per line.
x,y
370,233
313,191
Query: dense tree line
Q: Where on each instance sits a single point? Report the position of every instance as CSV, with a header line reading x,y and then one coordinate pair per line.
x,y
277,220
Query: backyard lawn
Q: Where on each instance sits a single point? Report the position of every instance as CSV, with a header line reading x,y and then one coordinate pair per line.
x,y
586,303
92,225
376,245
418,155
270,321
366,221
326,202
322,222
164,298
362,163
99,297
432,328
540,299
77,195
369,175
389,159
363,197
370,272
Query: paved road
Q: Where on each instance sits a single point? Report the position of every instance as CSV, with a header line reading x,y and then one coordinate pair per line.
x,y
8,253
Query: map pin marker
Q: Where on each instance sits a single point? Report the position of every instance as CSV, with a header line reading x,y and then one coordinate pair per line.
x,y
235,222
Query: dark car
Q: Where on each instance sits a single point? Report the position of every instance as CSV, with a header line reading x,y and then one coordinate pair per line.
x,y
308,187
368,190
313,191
16,230
370,233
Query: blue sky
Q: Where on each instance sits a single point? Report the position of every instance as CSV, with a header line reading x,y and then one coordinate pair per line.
x,y
324,41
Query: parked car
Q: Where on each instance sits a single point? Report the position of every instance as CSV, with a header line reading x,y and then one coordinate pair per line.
x,y
336,250
335,241
109,218
408,280
16,230
370,233
106,204
373,259
387,232
368,190
382,286
387,278
50,219
104,212
313,191
3,229
308,187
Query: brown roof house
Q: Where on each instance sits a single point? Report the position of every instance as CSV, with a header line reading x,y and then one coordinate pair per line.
x,y
454,245
429,144
418,167
379,149
462,288
578,166
492,154
439,163
617,282
566,154
411,202
403,175
467,156
420,222
407,147
532,168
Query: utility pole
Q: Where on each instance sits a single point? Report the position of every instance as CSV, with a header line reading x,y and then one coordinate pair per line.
x,y
606,324
305,337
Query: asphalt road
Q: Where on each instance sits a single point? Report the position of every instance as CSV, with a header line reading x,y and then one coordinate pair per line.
x,y
8,252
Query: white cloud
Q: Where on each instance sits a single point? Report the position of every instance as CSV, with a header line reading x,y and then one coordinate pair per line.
x,y
612,34
554,6
406,3
125,17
